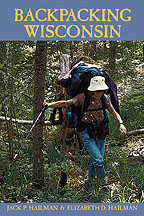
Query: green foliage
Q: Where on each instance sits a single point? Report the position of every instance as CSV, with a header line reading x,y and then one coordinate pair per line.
x,y
125,178
132,107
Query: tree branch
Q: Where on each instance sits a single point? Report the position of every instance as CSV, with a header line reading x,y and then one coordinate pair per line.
x,y
136,132
25,122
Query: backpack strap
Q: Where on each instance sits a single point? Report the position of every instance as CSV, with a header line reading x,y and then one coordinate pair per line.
x,y
87,103
82,125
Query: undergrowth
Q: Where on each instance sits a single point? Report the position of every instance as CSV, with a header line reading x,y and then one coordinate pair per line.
x,y
125,176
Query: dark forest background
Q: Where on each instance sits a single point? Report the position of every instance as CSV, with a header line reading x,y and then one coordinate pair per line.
x,y
28,74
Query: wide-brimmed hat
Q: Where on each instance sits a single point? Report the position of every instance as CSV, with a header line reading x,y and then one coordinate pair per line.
x,y
97,83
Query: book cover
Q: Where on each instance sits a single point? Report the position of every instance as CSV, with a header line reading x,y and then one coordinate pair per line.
x,y
44,164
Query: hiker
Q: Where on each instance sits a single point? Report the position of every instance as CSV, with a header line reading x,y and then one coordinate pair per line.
x,y
94,123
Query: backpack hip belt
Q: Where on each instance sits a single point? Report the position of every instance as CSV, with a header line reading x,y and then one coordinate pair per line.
x,y
98,129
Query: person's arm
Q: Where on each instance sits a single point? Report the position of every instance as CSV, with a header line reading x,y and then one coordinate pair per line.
x,y
57,104
123,130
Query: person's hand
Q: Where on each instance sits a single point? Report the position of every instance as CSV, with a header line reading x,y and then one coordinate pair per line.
x,y
45,103
123,130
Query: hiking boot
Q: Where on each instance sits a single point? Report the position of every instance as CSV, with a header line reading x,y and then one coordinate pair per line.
x,y
104,182
89,184
105,185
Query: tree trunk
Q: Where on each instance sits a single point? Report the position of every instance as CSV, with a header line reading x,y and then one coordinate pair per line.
x,y
104,46
94,53
11,133
112,56
143,50
2,69
3,90
39,85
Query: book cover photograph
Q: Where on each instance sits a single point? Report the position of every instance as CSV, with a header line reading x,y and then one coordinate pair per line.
x,y
71,108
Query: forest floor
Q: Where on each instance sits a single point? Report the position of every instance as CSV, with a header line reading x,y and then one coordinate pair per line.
x,y
124,163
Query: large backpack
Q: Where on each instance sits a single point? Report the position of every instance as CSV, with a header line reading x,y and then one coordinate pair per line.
x,y
78,81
